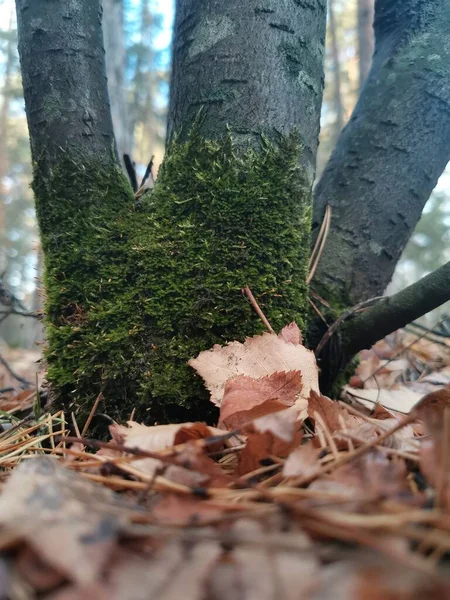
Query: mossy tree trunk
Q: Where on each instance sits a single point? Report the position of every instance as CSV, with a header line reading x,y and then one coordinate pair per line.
x,y
135,287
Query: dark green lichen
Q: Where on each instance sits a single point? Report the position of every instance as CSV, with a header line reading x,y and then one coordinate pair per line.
x,y
135,289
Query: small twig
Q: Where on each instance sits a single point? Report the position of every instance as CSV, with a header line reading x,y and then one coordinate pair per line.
x,y
91,414
320,244
332,329
255,305
20,379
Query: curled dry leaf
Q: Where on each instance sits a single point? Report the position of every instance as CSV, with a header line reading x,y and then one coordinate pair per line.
x,y
162,437
246,399
257,357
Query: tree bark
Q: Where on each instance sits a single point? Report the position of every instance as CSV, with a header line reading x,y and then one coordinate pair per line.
x,y
365,38
64,82
256,67
113,33
390,155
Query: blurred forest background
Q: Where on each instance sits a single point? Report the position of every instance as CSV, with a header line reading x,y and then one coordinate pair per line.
x,y
137,42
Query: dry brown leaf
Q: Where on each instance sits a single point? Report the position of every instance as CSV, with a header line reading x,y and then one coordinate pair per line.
x,y
246,399
39,575
371,477
257,357
174,572
261,446
160,437
369,576
303,462
178,510
284,424
263,571
70,522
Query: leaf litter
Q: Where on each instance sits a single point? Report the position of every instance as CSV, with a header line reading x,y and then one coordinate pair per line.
x,y
292,496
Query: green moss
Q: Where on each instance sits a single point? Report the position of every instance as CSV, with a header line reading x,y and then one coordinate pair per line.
x,y
135,289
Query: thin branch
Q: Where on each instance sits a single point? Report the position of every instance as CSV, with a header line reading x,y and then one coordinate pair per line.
x,y
257,308
393,312
20,379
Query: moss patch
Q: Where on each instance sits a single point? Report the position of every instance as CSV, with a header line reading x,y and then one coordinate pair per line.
x,y
135,289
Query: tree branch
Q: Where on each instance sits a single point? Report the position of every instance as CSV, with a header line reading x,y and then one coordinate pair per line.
x,y
393,312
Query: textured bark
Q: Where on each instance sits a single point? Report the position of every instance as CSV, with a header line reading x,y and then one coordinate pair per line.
x,y
63,72
254,65
113,34
365,38
391,154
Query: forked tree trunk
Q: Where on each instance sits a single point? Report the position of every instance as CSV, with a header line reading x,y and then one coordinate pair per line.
x,y
136,287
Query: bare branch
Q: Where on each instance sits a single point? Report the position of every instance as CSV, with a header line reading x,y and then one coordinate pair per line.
x,y
393,312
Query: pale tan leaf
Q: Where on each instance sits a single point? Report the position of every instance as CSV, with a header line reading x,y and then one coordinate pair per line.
x,y
303,462
401,399
283,423
257,357
291,333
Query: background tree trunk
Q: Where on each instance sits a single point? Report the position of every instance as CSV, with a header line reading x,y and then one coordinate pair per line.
x,y
256,67
390,155
336,70
365,38
113,33
4,115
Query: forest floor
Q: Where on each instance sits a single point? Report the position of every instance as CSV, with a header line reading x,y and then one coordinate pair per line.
x,y
293,495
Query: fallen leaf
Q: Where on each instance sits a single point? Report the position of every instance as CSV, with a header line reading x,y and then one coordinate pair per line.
x,y
284,424
264,571
401,400
246,399
257,357
175,571
70,522
303,462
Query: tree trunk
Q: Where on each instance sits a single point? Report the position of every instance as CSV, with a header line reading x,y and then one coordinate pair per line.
x,y
256,67
113,34
136,288
365,38
390,155
4,115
